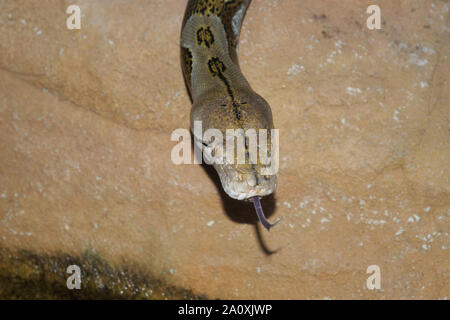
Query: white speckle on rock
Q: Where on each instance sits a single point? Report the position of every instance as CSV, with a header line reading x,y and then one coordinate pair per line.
x,y
295,69
395,116
414,218
210,223
324,220
353,91
427,209
427,50
399,232
303,204
414,59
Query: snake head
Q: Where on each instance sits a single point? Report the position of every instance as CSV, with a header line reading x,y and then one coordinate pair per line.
x,y
237,138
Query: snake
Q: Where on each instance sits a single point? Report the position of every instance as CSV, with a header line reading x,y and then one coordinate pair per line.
x,y
221,96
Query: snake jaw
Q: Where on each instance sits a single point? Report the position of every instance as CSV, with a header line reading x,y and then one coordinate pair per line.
x,y
239,181
244,186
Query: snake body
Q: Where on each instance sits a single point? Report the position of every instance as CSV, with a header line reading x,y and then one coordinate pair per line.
x,y
222,97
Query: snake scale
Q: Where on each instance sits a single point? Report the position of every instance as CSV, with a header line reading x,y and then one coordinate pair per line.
x,y
222,97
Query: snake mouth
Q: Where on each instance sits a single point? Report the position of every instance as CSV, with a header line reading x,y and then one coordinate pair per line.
x,y
239,181
245,185
245,188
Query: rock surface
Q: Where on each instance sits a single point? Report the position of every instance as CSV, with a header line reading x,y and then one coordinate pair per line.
x,y
86,118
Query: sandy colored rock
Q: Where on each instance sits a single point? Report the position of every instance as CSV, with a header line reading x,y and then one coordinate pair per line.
x,y
86,118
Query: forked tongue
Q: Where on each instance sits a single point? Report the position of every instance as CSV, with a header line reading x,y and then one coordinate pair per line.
x,y
261,216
